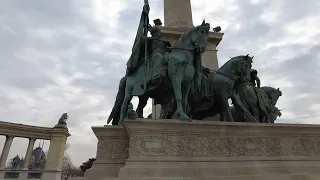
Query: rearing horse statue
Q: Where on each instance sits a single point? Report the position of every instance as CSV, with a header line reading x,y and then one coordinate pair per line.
x,y
183,65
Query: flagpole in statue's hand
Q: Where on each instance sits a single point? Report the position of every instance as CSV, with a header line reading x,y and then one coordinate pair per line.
x,y
146,7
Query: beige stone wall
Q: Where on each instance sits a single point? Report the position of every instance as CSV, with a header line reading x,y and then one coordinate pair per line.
x,y
169,149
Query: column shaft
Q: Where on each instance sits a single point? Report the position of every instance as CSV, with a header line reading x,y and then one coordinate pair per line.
x,y
5,151
177,13
56,153
28,153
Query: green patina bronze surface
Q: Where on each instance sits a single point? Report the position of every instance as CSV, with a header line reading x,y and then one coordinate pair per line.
x,y
173,76
159,71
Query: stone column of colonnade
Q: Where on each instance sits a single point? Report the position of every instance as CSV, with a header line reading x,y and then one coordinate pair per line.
x,y
5,151
28,153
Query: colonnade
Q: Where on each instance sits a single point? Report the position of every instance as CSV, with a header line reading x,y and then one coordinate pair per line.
x,y
57,136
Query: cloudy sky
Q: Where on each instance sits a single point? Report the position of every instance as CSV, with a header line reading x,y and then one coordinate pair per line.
x,y
68,56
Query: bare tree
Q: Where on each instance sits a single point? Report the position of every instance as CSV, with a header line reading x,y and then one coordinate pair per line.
x,y
66,163
68,169
67,146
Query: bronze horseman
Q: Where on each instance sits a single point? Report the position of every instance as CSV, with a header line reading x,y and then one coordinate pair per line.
x,y
174,77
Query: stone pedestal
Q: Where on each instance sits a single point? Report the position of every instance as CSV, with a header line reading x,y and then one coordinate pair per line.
x,y
171,149
2,174
51,175
56,153
112,152
23,175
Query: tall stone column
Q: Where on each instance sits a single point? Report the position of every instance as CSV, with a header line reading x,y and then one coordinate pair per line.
x,y
28,153
5,151
55,154
178,13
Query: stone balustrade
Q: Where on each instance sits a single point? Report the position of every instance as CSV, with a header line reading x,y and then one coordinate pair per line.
x,y
57,136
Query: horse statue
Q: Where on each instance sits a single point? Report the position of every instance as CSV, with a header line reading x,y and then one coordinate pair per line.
x,y
182,64
274,114
215,90
260,102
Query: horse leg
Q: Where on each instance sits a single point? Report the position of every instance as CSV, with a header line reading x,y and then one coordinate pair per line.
x,y
172,109
143,100
176,79
225,113
167,109
124,107
255,113
267,117
185,96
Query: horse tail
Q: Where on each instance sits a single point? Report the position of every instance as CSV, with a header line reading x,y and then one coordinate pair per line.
x,y
115,113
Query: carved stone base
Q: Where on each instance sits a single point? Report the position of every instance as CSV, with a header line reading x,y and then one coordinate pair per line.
x,y
171,149
112,152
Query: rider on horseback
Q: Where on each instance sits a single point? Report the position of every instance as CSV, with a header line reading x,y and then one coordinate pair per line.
x,y
254,79
156,48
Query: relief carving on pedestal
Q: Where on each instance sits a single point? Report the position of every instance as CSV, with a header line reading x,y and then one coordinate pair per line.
x,y
113,149
223,146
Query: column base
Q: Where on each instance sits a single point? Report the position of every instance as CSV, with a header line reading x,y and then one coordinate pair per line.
x,y
105,169
23,175
2,173
51,175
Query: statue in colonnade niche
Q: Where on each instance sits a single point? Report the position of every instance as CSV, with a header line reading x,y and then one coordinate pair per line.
x,y
15,162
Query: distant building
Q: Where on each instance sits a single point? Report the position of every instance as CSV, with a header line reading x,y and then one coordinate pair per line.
x,y
38,159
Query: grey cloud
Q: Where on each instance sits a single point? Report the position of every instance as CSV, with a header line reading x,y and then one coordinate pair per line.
x,y
300,68
56,59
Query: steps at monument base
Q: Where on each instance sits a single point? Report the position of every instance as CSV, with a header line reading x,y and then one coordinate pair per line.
x,y
264,177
